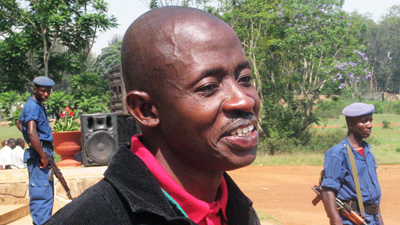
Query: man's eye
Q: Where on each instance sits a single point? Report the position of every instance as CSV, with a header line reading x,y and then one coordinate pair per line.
x,y
245,79
207,88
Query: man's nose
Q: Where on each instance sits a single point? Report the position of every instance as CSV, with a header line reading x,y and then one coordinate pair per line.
x,y
369,124
238,100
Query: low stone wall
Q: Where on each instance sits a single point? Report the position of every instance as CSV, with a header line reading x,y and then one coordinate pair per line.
x,y
14,187
14,184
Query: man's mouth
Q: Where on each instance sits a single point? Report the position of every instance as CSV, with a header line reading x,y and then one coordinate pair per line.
x,y
243,132
243,138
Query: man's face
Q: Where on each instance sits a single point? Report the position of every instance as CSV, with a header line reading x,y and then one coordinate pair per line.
x,y
362,126
208,108
12,144
42,93
22,144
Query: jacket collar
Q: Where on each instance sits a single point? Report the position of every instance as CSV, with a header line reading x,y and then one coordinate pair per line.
x,y
134,181
346,142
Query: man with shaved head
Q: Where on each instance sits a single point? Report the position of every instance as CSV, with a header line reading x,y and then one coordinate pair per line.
x,y
189,87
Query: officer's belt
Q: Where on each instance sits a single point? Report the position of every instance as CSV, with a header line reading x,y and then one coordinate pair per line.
x,y
369,208
47,144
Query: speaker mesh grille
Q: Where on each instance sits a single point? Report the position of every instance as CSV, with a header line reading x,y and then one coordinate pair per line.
x,y
100,147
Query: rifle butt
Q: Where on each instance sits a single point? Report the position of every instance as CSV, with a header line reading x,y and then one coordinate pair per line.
x,y
358,218
353,217
316,200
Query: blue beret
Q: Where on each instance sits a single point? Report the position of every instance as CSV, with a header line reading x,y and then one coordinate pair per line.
x,y
358,109
43,81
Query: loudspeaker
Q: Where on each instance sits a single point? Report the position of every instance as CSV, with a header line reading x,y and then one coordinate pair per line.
x,y
99,138
127,127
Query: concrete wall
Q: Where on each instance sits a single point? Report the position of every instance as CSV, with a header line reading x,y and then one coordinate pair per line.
x,y
14,184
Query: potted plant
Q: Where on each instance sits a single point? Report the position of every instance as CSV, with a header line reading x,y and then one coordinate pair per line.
x,y
67,138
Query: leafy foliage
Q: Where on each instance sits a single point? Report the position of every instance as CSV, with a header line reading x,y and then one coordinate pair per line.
x,y
56,103
109,57
48,37
87,84
11,105
67,122
94,104
89,93
386,124
384,50
295,48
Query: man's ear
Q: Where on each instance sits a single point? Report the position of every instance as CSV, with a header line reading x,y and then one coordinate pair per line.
x,y
140,106
350,123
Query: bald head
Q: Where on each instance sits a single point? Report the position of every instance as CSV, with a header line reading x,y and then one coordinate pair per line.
x,y
20,142
154,43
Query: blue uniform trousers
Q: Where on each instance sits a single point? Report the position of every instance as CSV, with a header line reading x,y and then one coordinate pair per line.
x,y
41,189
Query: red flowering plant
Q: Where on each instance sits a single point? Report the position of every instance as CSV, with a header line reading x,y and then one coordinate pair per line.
x,y
67,122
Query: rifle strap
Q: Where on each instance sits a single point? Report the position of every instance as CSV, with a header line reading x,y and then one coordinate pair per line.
x,y
356,181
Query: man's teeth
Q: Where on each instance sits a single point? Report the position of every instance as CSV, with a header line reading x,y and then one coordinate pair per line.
x,y
245,131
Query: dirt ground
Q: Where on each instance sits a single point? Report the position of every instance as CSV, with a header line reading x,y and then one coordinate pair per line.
x,y
285,193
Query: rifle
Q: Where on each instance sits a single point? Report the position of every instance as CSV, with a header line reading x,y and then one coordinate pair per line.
x,y
59,175
343,208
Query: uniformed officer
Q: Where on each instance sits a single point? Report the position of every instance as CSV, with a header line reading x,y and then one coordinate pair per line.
x,y
338,180
37,133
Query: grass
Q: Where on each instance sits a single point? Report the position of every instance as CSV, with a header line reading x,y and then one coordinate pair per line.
x,y
385,143
298,158
377,119
266,217
7,132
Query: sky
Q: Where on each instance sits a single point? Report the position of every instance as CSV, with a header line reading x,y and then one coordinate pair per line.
x,y
127,11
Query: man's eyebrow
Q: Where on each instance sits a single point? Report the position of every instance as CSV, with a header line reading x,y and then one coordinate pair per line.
x,y
241,66
215,71
212,72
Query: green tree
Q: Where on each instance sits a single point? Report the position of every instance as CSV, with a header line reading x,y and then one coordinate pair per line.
x,y
110,56
384,51
318,38
11,104
297,48
45,31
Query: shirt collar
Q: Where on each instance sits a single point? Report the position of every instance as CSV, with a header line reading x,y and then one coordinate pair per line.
x,y
36,101
197,210
364,144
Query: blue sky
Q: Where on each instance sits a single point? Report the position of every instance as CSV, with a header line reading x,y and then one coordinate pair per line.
x,y
127,11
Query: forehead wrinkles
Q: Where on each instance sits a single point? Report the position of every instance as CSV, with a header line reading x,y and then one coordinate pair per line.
x,y
190,40
176,47
165,43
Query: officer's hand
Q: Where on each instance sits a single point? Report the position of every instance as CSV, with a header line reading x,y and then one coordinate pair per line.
x,y
43,162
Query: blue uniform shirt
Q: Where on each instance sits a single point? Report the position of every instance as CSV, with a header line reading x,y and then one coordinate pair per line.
x,y
338,174
35,111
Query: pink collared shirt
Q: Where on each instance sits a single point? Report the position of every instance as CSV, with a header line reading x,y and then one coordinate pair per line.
x,y
202,213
